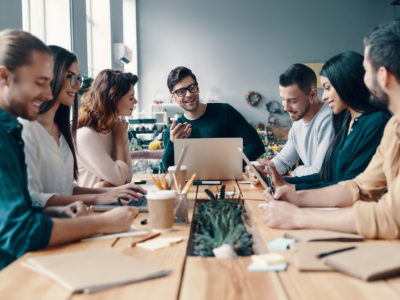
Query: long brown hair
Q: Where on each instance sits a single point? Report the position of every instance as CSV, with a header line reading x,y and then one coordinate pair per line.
x,y
63,59
99,104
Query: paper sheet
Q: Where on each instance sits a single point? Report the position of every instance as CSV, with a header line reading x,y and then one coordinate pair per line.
x,y
280,243
132,232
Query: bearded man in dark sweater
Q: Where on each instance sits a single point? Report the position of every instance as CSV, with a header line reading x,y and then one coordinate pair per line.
x,y
201,120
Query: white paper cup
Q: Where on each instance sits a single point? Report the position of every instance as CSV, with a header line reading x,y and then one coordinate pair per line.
x,y
161,209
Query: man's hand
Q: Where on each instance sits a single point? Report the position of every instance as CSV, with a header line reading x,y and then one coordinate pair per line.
x,y
126,192
277,178
280,214
118,219
180,131
75,209
253,178
285,192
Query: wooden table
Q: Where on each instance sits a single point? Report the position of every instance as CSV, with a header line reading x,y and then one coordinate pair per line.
x,y
201,278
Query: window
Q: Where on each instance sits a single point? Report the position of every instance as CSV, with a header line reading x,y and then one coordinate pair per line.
x,y
98,26
49,20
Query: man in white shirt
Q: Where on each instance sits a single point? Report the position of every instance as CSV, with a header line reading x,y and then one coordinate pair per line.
x,y
312,129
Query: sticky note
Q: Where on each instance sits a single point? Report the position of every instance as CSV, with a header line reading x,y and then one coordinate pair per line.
x,y
159,243
280,243
268,259
256,267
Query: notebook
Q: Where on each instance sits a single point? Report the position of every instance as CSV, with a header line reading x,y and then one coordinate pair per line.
x,y
211,158
370,261
311,235
305,254
93,270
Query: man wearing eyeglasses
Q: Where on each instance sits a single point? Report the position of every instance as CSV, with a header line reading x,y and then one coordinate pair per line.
x,y
201,120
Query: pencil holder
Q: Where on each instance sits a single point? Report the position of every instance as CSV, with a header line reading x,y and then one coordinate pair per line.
x,y
181,208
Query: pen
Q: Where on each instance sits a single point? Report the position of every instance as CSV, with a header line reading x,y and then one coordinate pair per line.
x,y
146,238
323,254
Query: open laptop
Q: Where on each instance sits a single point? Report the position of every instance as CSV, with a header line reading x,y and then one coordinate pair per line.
x,y
211,158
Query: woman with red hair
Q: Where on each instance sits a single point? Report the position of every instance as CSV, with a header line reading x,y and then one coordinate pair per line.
x,y
102,136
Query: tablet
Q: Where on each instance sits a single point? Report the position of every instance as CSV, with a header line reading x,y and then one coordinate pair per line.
x,y
263,183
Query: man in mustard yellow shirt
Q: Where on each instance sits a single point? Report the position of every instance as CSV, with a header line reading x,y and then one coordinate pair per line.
x,y
370,203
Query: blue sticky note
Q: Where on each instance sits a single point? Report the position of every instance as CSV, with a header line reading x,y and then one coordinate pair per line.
x,y
280,244
257,267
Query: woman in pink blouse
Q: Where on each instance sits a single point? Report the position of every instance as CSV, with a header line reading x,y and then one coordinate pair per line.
x,y
102,137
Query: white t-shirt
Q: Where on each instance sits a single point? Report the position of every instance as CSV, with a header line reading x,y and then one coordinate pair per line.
x,y
50,166
308,142
95,154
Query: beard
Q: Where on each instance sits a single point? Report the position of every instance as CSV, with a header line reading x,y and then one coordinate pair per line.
x,y
378,97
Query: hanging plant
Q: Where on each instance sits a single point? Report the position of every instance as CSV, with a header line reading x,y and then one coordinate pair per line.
x,y
253,98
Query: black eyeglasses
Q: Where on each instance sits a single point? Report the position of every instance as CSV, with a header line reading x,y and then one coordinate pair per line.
x,y
75,81
193,88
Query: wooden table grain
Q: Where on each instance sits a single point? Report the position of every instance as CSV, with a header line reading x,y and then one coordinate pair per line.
x,y
195,278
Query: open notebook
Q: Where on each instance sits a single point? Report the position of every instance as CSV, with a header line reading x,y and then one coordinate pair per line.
x,y
93,270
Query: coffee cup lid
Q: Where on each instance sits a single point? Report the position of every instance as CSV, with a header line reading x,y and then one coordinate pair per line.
x,y
172,168
161,195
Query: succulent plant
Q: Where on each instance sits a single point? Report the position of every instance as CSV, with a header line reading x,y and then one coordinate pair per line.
x,y
220,221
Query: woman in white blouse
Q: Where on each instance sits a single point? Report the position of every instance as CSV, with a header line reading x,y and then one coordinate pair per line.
x,y
49,146
102,136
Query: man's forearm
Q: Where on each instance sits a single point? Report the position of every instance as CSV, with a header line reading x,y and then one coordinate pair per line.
x,y
342,219
67,230
331,196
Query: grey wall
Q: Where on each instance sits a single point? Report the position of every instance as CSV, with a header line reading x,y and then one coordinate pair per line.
x,y
10,14
234,46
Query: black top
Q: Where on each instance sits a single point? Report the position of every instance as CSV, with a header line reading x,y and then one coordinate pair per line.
x,y
352,154
220,120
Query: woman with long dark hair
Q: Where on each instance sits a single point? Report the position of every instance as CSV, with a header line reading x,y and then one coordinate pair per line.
x,y
102,138
49,143
358,124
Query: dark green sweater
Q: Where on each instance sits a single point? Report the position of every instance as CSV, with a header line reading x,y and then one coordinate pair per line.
x,y
22,227
220,120
352,154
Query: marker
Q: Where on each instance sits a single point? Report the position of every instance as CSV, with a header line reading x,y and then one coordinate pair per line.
x,y
323,254
207,182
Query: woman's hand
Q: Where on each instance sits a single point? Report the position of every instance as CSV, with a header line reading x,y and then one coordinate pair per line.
x,y
125,192
120,129
253,178
277,178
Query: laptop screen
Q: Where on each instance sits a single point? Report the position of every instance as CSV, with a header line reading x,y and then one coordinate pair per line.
x,y
211,158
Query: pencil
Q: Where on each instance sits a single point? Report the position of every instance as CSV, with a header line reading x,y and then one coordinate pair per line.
x,y
164,182
177,187
146,238
158,184
188,184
